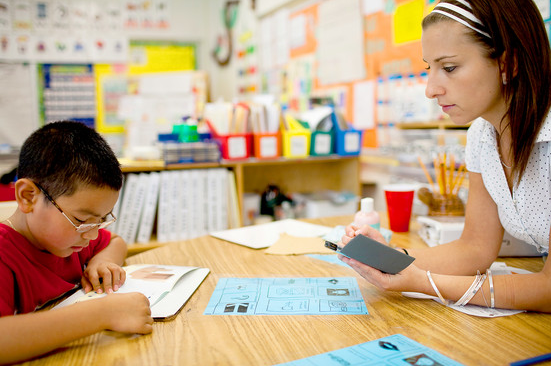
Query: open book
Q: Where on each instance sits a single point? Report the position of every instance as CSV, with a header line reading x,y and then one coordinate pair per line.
x,y
167,287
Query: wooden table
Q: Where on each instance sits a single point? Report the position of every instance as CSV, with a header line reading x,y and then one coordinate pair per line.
x,y
196,339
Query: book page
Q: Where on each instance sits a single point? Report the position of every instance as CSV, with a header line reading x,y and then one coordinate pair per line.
x,y
152,280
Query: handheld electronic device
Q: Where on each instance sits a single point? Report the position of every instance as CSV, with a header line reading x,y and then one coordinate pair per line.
x,y
374,254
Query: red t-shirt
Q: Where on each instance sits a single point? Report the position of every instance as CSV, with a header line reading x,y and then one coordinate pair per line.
x,y
29,278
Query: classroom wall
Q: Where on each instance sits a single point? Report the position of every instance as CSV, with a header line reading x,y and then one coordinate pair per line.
x,y
288,72
283,63
19,112
222,78
296,57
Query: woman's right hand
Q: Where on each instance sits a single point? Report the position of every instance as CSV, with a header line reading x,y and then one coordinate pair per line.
x,y
127,313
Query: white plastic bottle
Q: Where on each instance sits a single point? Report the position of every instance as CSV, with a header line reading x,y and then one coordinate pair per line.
x,y
366,215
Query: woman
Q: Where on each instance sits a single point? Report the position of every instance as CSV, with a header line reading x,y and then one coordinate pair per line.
x,y
489,64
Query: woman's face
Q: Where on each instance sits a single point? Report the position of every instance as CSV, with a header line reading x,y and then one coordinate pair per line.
x,y
466,84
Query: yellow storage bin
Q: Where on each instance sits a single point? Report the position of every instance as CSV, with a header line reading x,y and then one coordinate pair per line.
x,y
295,138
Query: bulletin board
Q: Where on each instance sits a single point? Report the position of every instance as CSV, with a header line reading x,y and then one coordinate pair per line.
x,y
114,81
390,44
393,39
161,56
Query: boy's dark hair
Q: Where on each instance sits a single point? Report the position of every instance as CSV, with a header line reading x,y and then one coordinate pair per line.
x,y
63,155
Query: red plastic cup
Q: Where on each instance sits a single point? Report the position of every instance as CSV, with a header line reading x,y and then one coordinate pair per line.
x,y
399,201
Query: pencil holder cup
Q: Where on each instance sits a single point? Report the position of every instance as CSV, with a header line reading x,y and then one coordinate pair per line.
x,y
441,204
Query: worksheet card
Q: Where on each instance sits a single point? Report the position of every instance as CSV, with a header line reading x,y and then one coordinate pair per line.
x,y
286,296
330,258
390,351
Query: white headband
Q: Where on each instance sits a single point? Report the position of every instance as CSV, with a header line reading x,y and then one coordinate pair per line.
x,y
462,15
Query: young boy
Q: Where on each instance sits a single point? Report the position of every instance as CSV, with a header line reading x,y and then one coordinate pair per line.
x,y
68,183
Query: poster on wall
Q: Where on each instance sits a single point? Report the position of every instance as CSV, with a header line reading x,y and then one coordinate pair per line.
x,y
340,42
146,14
21,15
67,92
406,22
161,56
303,25
5,18
114,82
17,102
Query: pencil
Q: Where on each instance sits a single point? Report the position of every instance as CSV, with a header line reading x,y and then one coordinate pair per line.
x,y
459,171
533,360
437,174
460,177
429,179
443,173
452,170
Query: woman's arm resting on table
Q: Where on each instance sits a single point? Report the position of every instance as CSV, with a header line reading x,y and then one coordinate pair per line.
x,y
453,265
516,291
29,335
480,241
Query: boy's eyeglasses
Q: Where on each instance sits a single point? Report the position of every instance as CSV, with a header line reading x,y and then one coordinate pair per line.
x,y
82,228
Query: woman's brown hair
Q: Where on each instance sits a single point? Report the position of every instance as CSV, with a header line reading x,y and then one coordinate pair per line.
x,y
519,43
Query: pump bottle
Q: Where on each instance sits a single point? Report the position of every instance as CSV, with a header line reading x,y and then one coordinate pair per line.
x,y
366,215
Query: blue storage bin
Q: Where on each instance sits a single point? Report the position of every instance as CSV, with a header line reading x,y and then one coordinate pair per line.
x,y
347,142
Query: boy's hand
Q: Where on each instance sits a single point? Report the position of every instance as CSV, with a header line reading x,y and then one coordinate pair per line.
x,y
102,276
128,313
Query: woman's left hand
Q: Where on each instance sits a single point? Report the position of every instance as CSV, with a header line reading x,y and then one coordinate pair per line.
x,y
407,280
351,231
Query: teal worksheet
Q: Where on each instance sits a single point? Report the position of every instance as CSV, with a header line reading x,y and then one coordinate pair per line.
x,y
286,296
331,258
395,350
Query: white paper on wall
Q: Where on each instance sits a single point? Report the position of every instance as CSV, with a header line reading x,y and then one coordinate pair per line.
x,y
340,42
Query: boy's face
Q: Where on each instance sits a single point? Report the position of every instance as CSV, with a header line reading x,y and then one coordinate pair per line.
x,y
52,232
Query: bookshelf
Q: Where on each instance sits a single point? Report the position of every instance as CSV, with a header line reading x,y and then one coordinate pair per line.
x,y
304,175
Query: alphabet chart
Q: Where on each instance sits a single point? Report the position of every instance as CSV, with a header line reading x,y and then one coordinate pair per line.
x,y
286,296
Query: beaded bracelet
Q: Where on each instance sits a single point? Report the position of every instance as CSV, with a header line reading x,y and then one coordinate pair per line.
x,y
444,301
